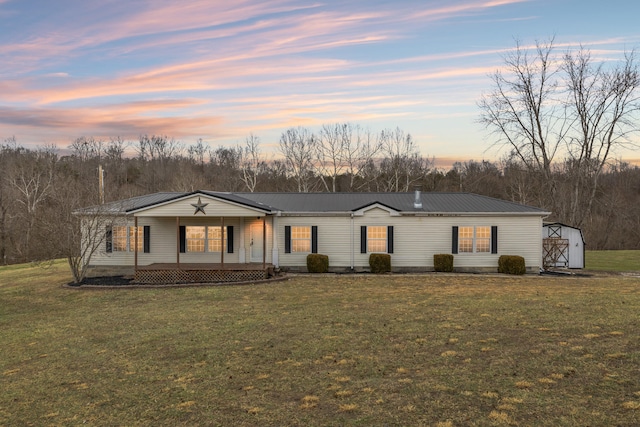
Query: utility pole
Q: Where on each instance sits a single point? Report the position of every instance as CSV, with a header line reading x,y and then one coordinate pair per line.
x,y
101,183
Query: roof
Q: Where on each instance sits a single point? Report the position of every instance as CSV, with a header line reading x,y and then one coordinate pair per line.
x,y
445,203
401,202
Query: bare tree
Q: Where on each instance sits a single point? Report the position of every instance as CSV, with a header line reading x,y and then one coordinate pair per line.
x,y
86,148
343,149
402,165
603,106
523,111
198,152
297,145
251,162
31,176
546,103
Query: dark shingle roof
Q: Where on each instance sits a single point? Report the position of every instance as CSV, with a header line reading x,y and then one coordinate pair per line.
x,y
341,202
402,202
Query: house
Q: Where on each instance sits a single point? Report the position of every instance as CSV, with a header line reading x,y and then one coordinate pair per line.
x,y
223,232
562,245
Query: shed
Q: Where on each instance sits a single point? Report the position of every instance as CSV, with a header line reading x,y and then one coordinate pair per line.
x,y
562,246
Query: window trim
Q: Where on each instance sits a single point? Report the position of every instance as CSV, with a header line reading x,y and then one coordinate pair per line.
x,y
491,238
290,240
114,237
206,240
365,239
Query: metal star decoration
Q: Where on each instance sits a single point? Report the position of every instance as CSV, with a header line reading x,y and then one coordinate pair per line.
x,y
199,206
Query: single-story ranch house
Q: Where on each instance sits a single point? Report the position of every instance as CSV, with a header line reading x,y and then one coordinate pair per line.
x,y
204,235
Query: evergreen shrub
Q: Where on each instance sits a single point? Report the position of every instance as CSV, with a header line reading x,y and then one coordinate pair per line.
x,y
380,263
511,264
317,263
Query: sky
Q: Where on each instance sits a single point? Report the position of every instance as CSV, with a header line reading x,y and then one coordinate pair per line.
x,y
222,70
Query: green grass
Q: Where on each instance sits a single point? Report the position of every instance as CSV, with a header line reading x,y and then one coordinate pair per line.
x,y
622,261
435,350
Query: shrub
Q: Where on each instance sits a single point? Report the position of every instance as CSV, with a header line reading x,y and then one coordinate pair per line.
x,y
443,262
511,264
380,263
317,263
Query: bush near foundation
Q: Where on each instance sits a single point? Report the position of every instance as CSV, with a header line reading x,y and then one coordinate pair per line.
x,y
511,264
317,263
380,263
443,263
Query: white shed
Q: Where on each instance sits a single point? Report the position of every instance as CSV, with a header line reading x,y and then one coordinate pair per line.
x,y
562,246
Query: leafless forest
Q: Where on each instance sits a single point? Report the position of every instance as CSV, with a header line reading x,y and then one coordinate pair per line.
x,y
40,189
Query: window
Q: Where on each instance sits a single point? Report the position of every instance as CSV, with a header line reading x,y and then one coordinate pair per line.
x,y
300,239
377,239
474,239
123,239
214,243
199,238
303,239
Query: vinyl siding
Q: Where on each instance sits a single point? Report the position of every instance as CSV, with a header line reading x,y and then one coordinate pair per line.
x,y
164,244
416,239
214,209
333,240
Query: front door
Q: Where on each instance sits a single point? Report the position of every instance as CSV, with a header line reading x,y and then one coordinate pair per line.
x,y
257,243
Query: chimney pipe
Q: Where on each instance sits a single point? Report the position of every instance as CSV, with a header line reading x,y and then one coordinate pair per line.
x,y
417,202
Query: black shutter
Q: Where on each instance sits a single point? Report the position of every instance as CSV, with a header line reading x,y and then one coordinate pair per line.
x,y
109,239
390,239
454,239
494,239
314,239
183,239
229,239
363,239
146,243
287,239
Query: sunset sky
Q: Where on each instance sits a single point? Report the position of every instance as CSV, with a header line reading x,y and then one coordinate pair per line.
x,y
220,70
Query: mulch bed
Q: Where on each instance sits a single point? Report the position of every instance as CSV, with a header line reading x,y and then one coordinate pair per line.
x,y
105,281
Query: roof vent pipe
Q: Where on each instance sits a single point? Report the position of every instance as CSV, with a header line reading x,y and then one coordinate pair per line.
x,y
417,202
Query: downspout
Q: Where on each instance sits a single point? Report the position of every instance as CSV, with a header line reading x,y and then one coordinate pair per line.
x,y
135,243
275,249
352,245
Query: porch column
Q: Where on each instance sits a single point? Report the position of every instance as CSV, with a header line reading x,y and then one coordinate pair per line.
x,y
241,250
222,248
274,251
178,241
135,243
264,242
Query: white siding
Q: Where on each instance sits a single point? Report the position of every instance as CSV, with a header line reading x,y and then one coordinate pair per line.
x,y
416,239
164,244
215,209
333,240
576,243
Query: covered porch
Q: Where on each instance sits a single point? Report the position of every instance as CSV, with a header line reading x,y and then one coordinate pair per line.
x,y
163,273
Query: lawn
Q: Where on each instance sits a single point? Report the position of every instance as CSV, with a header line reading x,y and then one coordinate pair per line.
x,y
433,350
613,260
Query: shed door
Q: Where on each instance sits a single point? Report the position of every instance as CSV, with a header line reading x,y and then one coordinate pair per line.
x,y
257,243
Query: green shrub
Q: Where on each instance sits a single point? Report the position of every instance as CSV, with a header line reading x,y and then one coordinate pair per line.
x,y
443,262
380,263
317,263
511,264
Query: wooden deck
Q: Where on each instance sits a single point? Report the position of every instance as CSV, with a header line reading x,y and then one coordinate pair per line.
x,y
163,273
